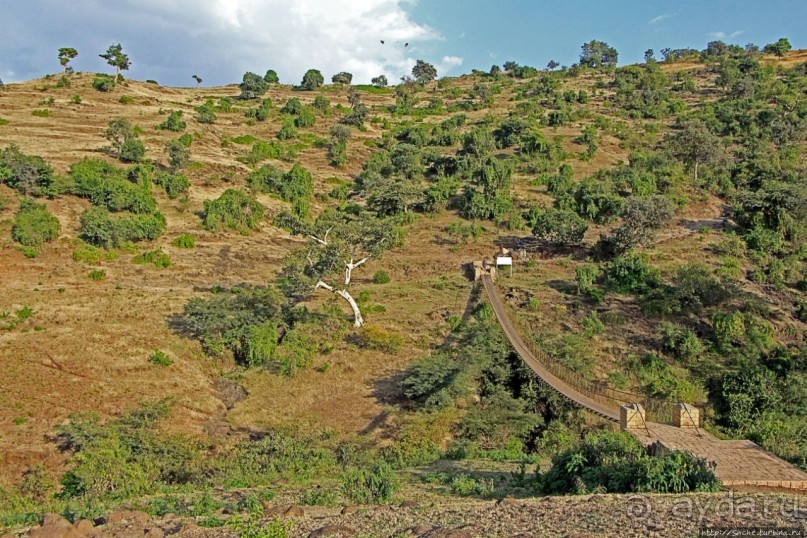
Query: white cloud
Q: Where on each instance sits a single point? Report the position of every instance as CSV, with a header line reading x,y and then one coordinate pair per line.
x,y
221,39
449,62
659,18
724,35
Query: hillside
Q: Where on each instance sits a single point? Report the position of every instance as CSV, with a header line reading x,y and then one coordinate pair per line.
x,y
671,273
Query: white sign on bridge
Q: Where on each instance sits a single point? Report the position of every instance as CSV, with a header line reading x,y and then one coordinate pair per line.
x,y
505,260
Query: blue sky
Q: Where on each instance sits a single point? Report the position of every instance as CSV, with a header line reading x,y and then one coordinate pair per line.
x,y
170,40
534,32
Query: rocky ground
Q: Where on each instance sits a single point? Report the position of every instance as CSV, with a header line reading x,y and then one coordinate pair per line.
x,y
595,515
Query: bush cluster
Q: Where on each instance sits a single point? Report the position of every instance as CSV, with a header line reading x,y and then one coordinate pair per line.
x,y
34,225
234,209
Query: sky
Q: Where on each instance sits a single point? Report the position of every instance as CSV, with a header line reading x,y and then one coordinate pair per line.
x,y
219,40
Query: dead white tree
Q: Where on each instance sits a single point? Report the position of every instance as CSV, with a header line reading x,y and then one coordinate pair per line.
x,y
348,242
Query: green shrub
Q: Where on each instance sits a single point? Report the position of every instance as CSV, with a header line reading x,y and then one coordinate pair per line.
x,y
264,150
430,381
379,338
206,113
233,209
381,277
100,228
28,174
681,342
295,186
43,113
173,122
560,227
3,122
126,100
108,186
34,225
103,83
184,241
97,274
592,324
468,486
90,254
159,358
247,320
174,184
244,139
375,485
631,274
614,462
158,258
253,527
729,328
586,276
319,496
287,132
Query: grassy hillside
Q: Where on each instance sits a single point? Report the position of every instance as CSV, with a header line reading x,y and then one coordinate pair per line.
x,y
664,207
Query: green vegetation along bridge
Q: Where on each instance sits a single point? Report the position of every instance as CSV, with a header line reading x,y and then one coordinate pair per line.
x,y
737,463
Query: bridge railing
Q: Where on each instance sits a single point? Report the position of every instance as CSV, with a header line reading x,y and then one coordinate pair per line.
x,y
656,410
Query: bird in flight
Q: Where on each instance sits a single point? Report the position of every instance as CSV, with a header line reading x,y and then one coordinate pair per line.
x,y
382,41
406,44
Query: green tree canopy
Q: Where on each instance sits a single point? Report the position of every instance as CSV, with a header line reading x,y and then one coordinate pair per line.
x,y
780,48
424,72
115,57
598,54
252,86
65,55
560,227
342,78
125,141
312,79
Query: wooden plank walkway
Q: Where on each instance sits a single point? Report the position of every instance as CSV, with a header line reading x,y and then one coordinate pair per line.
x,y
738,463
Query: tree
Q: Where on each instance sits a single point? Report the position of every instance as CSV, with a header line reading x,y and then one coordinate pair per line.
x,y
342,78
641,218
125,140
252,86
694,144
560,227
380,81
424,72
65,55
197,79
649,56
339,241
552,65
115,57
312,79
598,54
391,197
178,155
28,174
779,48
271,77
